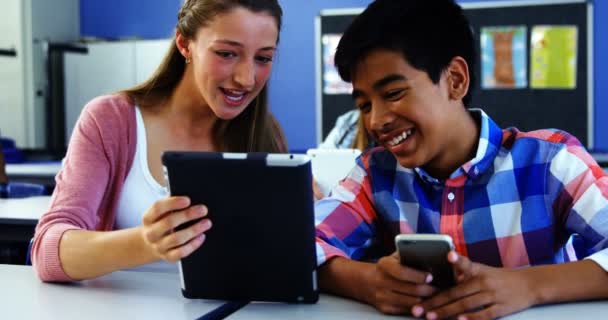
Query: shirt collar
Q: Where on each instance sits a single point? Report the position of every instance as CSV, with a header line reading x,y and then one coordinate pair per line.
x,y
490,139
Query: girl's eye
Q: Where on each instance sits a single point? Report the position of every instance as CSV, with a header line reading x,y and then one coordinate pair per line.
x,y
264,59
225,54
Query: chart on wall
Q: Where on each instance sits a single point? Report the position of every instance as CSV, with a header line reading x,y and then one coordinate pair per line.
x,y
533,72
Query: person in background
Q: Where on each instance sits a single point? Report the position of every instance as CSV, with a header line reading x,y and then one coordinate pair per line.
x,y
3,176
110,209
347,133
509,199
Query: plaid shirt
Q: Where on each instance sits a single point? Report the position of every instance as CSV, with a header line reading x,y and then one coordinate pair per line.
x,y
517,203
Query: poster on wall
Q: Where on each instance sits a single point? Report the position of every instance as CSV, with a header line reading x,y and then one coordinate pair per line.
x,y
503,57
553,57
332,83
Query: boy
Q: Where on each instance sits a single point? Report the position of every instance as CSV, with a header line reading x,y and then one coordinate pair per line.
x,y
509,199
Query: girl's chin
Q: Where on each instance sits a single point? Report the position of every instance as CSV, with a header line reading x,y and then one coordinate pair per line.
x,y
228,113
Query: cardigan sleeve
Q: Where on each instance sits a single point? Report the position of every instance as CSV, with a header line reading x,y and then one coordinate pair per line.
x,y
81,186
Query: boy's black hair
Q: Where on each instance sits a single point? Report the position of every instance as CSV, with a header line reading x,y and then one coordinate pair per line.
x,y
429,33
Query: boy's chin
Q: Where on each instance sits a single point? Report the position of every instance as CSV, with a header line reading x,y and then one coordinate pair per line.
x,y
407,162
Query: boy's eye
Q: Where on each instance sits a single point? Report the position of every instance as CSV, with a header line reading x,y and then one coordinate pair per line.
x,y
394,94
364,107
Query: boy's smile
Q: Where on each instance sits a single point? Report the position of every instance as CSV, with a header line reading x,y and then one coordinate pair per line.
x,y
421,123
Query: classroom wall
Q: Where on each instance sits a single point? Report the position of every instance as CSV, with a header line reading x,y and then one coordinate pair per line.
x,y
119,19
292,86
600,72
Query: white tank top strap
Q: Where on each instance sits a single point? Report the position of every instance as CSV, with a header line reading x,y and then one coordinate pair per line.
x,y
139,192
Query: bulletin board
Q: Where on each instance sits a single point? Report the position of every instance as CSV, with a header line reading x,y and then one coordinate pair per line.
x,y
528,89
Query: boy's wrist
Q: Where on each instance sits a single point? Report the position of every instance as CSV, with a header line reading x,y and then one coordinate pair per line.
x,y
539,292
348,278
367,287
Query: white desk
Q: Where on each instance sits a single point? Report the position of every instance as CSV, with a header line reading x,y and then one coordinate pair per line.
x,y
38,173
23,210
33,169
120,295
144,295
330,307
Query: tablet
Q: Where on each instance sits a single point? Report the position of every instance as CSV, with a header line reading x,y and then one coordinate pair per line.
x,y
262,243
330,166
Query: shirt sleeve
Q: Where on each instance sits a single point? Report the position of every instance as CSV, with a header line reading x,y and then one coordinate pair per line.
x,y
600,258
331,141
582,200
337,137
345,221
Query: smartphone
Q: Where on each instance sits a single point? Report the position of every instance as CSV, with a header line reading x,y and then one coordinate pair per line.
x,y
329,166
428,252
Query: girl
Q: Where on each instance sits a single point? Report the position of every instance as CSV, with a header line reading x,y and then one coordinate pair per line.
x,y
110,210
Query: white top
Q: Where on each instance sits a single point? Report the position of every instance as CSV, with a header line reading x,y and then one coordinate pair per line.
x,y
139,192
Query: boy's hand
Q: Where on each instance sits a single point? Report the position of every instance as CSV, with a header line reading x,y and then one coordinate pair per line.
x,y
482,292
394,288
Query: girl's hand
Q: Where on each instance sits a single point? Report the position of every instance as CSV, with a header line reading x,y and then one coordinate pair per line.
x,y
160,221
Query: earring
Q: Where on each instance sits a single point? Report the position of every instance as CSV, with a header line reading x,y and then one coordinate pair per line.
x,y
188,60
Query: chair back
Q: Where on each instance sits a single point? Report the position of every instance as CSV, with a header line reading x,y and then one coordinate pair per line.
x,y
24,190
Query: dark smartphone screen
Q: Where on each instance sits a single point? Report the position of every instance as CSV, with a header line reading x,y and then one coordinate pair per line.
x,y
430,256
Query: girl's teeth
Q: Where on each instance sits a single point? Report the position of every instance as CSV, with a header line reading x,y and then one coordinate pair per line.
x,y
234,95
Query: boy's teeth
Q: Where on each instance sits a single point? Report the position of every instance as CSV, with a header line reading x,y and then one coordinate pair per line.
x,y
398,139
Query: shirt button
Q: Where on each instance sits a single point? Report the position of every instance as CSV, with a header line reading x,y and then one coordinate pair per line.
x,y
451,196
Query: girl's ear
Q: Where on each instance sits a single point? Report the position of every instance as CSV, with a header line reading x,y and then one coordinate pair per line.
x,y
458,78
182,44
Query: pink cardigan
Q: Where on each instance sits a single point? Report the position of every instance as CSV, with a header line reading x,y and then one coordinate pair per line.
x,y
88,186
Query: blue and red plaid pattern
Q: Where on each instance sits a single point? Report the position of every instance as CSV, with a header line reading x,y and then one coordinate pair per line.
x,y
517,203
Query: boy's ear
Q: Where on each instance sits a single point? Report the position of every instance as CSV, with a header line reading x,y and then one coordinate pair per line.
x,y
458,78
182,44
